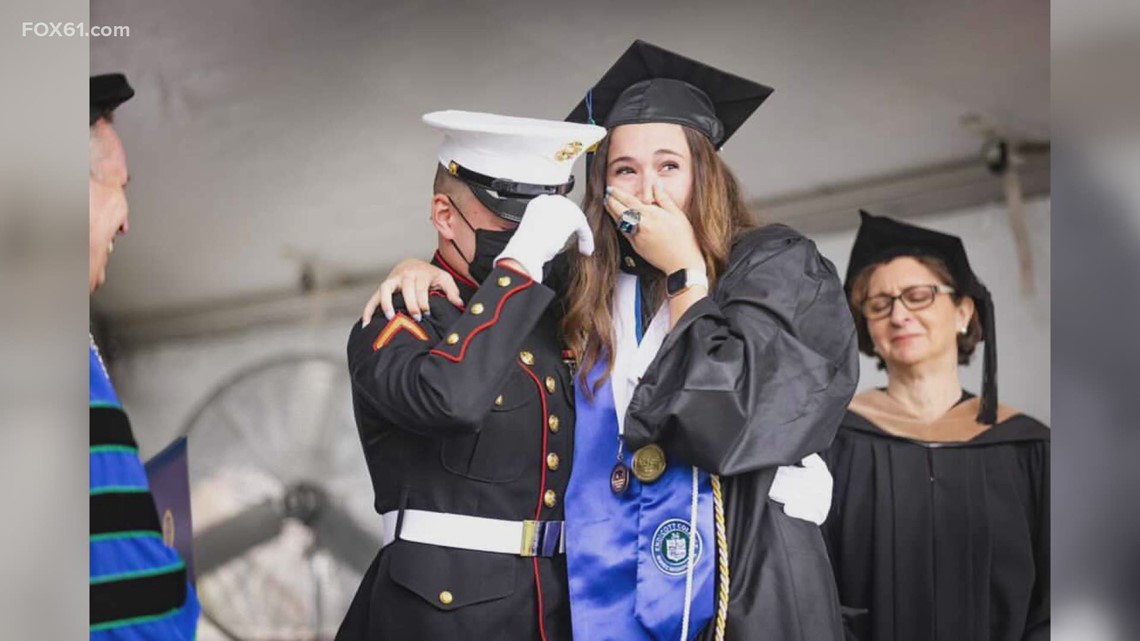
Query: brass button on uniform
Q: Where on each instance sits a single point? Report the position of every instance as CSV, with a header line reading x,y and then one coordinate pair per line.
x,y
526,357
504,281
550,499
499,401
446,597
552,423
552,461
452,339
550,384
477,308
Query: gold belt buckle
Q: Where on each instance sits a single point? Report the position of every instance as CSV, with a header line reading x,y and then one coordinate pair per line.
x,y
529,538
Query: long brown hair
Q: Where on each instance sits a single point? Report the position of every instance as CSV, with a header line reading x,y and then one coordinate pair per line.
x,y
717,213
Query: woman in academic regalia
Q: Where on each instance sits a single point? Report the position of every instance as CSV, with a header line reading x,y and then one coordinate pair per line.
x,y
939,528
712,351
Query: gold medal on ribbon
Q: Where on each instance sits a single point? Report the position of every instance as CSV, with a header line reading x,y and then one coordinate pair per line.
x,y
649,463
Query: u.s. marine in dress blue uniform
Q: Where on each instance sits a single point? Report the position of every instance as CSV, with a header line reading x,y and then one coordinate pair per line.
x,y
466,418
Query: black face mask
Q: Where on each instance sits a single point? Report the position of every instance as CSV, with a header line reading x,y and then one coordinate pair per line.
x,y
489,244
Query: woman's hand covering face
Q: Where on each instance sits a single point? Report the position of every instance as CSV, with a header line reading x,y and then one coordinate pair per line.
x,y
664,237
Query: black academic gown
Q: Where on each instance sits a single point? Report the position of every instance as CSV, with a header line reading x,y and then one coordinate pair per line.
x,y
756,376
942,541
469,411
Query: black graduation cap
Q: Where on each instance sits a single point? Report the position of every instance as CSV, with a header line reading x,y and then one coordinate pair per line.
x,y
651,84
108,91
881,239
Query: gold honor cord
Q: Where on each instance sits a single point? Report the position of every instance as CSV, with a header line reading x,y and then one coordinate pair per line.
x,y
721,560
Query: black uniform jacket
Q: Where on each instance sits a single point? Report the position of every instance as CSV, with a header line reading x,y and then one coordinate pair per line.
x,y
942,540
756,376
469,411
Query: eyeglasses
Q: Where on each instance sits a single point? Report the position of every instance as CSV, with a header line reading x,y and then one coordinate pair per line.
x,y
913,298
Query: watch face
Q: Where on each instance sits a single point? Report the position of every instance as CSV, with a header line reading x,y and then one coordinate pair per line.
x,y
676,281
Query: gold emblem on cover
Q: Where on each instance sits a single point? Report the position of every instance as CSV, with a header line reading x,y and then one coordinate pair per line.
x,y
569,152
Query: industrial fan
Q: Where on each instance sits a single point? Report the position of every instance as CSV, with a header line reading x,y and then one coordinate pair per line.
x,y
283,523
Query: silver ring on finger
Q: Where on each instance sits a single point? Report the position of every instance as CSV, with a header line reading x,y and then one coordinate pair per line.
x,y
629,221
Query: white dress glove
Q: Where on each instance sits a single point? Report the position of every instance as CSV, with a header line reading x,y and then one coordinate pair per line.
x,y
547,224
804,491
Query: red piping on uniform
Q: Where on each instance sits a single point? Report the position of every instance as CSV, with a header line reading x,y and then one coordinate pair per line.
x,y
512,269
541,610
439,293
454,274
495,319
541,492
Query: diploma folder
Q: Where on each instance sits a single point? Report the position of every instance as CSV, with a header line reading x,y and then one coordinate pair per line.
x,y
169,475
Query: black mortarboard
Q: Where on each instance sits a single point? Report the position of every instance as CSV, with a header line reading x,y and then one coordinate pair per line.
x,y
651,84
108,91
881,239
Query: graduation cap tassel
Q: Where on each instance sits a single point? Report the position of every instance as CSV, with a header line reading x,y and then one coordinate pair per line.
x,y
988,412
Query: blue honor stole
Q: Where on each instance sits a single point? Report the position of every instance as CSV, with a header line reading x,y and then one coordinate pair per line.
x,y
627,554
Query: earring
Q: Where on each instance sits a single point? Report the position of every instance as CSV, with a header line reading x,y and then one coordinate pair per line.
x,y
962,331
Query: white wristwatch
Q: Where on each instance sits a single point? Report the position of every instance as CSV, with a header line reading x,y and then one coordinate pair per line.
x,y
683,279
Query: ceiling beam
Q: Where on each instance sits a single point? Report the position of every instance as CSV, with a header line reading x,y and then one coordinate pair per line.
x,y
951,186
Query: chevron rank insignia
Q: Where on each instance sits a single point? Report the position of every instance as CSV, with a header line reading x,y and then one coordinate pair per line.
x,y
400,323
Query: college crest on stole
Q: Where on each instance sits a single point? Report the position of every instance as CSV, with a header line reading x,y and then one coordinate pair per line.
x,y
671,547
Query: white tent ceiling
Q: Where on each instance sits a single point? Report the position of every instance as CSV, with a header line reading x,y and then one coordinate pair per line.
x,y
267,130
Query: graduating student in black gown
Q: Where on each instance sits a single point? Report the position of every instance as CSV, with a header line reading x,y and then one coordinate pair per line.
x,y
939,528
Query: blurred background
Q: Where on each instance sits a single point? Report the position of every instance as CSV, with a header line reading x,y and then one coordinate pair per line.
x,y
279,169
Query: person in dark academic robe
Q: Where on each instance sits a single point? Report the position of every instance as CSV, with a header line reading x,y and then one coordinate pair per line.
x,y
714,351
939,528
140,586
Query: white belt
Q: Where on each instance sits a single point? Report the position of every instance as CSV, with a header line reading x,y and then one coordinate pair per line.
x,y
519,538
